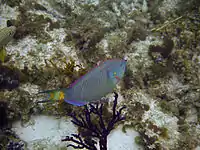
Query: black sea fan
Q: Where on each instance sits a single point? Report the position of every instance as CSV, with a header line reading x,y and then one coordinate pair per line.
x,y
3,115
98,130
15,145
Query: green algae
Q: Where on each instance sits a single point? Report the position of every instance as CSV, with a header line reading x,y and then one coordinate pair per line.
x,y
87,37
182,64
2,55
164,133
117,43
130,126
139,140
28,23
168,107
128,79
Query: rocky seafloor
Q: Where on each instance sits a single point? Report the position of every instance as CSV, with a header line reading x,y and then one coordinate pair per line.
x,y
57,41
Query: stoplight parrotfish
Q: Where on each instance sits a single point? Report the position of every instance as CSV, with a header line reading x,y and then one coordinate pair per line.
x,y
6,35
92,86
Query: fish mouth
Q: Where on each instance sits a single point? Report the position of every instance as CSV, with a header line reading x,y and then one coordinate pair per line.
x,y
116,77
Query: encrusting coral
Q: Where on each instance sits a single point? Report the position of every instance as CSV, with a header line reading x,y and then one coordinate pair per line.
x,y
100,130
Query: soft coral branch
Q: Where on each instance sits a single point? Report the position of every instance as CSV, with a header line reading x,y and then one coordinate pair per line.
x,y
100,131
80,143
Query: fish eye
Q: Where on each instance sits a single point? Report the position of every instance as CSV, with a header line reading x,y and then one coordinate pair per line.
x,y
10,33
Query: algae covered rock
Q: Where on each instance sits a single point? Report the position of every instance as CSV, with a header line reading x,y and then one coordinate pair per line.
x,y
9,78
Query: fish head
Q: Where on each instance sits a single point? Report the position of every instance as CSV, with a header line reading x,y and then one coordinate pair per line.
x,y
116,70
6,35
11,30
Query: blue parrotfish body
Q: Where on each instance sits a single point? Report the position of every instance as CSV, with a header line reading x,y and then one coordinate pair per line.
x,y
91,87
